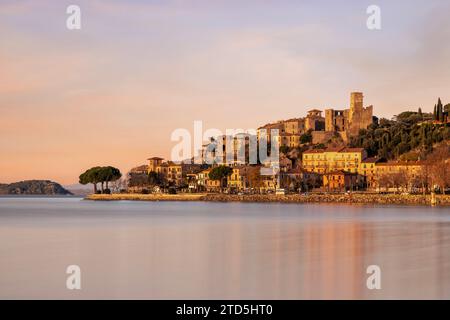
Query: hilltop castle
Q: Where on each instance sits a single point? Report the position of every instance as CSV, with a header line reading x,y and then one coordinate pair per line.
x,y
350,120
345,122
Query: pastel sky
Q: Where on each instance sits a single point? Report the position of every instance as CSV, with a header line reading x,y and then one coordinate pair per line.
x,y
112,92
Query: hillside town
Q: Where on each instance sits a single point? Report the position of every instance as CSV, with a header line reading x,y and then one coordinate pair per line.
x,y
346,150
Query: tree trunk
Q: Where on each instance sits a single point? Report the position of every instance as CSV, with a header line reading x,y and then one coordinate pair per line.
x,y
95,187
102,186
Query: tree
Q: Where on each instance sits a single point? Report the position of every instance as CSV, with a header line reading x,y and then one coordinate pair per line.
x,y
392,138
400,180
254,178
220,173
439,162
384,181
424,177
100,175
108,174
440,111
91,175
306,137
118,185
136,179
155,178
284,149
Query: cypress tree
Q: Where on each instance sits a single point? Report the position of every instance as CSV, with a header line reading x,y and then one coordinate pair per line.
x,y
435,113
440,114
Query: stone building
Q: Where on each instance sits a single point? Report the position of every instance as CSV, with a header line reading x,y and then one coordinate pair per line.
x,y
314,120
349,121
175,174
153,163
230,150
340,180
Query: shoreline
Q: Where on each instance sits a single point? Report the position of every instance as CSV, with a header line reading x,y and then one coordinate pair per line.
x,y
357,198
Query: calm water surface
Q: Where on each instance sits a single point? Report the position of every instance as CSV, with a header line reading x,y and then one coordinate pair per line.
x,y
195,250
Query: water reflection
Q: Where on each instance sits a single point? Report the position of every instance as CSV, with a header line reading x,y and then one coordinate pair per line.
x,y
221,251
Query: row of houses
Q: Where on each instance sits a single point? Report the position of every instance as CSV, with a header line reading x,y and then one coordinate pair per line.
x,y
332,169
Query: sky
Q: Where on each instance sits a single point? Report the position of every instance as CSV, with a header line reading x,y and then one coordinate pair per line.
x,y
112,92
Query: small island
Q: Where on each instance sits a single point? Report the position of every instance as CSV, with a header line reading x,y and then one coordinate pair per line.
x,y
33,187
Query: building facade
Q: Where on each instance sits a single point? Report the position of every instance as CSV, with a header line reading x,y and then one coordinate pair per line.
x,y
340,181
333,159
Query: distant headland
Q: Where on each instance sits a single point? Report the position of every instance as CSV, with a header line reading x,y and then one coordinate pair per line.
x,y
34,187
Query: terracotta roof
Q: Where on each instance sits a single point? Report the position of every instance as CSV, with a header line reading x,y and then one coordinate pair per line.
x,y
334,149
401,163
155,158
142,168
314,151
352,150
343,172
297,170
294,119
371,160
287,134
271,125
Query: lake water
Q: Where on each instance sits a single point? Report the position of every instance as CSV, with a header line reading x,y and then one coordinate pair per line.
x,y
197,250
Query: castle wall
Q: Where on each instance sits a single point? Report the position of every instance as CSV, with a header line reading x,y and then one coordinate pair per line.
x,y
361,120
321,136
350,120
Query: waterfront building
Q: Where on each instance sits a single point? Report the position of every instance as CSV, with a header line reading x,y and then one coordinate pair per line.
x,y
238,180
405,175
340,181
239,154
367,168
333,159
202,178
175,174
296,179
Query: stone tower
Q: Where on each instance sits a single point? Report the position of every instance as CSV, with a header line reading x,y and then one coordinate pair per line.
x,y
358,116
348,122
356,106
153,163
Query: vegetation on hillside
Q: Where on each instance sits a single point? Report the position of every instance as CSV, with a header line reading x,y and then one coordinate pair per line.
x,y
408,131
